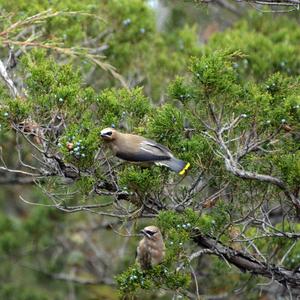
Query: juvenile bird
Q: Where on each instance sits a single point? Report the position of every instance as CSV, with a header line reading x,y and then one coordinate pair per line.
x,y
151,249
135,148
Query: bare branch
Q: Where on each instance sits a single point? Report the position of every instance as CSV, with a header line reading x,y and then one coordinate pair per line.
x,y
248,263
8,178
8,81
229,6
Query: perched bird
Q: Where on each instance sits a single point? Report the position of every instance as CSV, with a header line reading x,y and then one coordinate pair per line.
x,y
135,148
151,249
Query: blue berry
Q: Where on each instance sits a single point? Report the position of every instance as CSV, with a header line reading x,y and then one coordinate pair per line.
x,y
126,22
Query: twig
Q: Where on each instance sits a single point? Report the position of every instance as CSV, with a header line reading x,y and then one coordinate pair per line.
x,y
8,81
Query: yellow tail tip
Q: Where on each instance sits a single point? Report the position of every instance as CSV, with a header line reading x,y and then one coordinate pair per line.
x,y
184,169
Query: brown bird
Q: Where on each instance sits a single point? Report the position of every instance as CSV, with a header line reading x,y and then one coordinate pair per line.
x,y
151,249
137,149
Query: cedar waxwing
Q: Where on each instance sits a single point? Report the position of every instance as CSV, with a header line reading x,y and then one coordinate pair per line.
x,y
151,249
135,148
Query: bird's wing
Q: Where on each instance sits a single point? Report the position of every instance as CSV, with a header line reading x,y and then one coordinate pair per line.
x,y
154,149
150,145
146,151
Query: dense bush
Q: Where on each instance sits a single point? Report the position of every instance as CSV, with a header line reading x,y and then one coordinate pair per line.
x,y
231,108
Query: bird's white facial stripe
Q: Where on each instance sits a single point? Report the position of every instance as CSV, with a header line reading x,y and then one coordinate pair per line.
x,y
148,233
105,131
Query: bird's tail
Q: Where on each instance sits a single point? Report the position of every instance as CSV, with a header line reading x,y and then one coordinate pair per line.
x,y
176,165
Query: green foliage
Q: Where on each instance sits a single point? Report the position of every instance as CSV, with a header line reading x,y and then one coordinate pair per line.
x,y
39,221
270,105
185,222
50,86
189,150
179,226
255,76
8,243
180,90
160,276
141,180
122,106
85,185
134,25
68,28
13,235
16,109
266,52
215,75
10,292
282,90
221,216
178,229
79,143
289,165
167,125
293,259
282,243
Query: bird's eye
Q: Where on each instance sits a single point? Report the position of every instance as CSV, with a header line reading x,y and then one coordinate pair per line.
x,y
150,232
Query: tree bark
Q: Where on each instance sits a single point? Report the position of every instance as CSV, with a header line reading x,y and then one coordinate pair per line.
x,y
248,263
